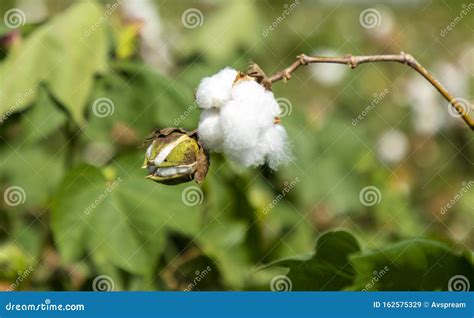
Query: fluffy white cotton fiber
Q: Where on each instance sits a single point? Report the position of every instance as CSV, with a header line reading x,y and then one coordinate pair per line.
x,y
238,119
216,90
210,130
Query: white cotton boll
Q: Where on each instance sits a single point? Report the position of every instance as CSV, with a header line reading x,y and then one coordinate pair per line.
x,y
239,125
210,130
256,102
264,104
275,146
238,120
247,157
271,147
215,91
247,89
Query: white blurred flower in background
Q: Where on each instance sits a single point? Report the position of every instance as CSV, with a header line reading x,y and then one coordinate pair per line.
x,y
466,60
98,153
34,10
327,74
392,147
385,26
428,115
153,47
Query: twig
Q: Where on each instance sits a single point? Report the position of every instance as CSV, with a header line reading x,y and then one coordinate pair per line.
x,y
354,61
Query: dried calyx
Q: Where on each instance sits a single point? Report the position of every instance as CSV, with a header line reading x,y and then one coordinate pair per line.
x,y
175,156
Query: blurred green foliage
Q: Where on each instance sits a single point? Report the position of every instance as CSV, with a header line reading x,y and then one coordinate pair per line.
x,y
88,211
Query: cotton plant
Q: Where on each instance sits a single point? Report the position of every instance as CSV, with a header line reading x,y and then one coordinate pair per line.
x,y
240,119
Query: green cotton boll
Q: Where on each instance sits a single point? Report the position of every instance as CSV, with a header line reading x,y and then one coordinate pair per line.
x,y
175,156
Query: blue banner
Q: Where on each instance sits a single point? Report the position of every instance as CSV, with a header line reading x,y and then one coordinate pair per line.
x,y
236,304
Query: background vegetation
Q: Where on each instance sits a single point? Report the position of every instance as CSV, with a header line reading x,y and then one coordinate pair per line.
x,y
83,212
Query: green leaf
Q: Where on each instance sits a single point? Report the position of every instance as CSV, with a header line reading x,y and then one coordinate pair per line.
x,y
117,215
328,268
417,264
224,32
143,100
43,119
65,54
34,169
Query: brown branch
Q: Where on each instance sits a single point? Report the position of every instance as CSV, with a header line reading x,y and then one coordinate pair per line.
x,y
354,61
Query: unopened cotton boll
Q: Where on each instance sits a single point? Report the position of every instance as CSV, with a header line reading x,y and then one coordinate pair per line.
x,y
215,91
210,130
